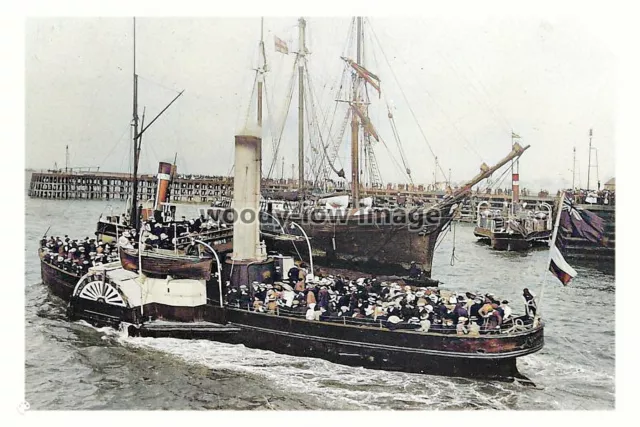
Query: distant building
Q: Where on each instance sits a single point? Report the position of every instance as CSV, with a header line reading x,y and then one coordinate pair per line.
x,y
610,185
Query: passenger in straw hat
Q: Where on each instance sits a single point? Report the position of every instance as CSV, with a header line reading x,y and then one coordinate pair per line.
x,y
461,329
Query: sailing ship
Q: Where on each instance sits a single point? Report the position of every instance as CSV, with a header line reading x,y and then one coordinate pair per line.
x,y
354,232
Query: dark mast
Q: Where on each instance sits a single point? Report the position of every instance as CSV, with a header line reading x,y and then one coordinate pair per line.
x,y
302,51
355,176
134,197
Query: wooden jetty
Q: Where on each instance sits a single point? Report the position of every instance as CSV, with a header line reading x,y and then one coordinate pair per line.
x,y
93,185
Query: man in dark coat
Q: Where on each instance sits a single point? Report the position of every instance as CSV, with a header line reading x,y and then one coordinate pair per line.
x,y
376,286
414,271
323,298
474,309
293,275
344,300
459,311
530,302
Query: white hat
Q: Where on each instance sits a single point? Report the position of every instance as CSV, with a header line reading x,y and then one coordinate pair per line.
x,y
462,319
163,236
429,308
393,319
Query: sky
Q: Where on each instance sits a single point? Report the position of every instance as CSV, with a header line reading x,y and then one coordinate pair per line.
x,y
468,80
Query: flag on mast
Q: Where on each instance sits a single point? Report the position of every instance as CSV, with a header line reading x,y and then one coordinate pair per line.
x,y
582,223
281,45
514,135
575,222
557,265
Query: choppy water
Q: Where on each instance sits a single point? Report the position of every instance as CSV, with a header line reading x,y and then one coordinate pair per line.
x,y
75,366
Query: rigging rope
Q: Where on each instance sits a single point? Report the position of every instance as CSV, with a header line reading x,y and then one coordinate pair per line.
x,y
397,138
498,182
269,118
253,91
313,108
394,129
411,109
471,85
284,117
453,249
114,147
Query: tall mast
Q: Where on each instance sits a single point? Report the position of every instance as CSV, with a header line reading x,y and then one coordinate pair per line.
x,y
435,176
355,176
66,159
134,197
301,54
261,70
573,180
515,177
589,167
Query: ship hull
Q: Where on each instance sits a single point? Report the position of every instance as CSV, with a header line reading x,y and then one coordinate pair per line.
x,y
163,265
512,241
368,345
59,281
491,356
363,245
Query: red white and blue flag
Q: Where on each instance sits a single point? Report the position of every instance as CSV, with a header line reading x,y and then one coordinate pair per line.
x,y
559,267
581,223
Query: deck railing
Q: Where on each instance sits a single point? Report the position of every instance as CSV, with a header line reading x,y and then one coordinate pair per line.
x,y
513,325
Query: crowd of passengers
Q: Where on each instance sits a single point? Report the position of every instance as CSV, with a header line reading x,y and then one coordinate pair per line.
x,y
387,304
164,234
77,255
